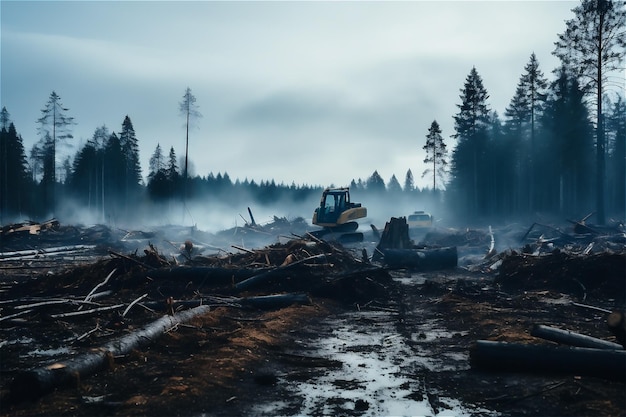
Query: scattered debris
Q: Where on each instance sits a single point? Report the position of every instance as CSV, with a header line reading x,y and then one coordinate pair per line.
x,y
83,293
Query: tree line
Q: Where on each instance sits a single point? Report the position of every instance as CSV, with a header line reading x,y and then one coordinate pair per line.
x,y
559,148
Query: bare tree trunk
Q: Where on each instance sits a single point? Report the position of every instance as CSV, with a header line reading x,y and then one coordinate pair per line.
x,y
34,383
571,338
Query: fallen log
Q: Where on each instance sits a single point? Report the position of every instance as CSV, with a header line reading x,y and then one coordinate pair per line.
x,y
421,259
518,357
263,302
566,337
28,253
32,384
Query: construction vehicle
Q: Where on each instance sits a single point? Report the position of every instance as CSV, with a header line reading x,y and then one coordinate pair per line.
x,y
420,220
337,215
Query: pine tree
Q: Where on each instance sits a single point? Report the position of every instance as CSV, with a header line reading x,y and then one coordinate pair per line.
x,y
471,126
409,183
172,167
393,186
436,154
172,174
535,84
616,132
375,183
54,126
5,119
592,46
157,162
114,163
189,109
15,184
570,144
83,181
521,115
132,169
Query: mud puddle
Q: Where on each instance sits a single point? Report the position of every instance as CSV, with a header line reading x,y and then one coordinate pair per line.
x,y
382,368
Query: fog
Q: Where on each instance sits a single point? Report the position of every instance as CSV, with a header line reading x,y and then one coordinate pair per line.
x,y
213,214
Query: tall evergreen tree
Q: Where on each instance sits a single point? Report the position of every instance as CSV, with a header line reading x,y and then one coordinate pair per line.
x,y
157,162
5,119
592,46
188,109
48,178
409,182
173,176
471,126
616,132
15,183
375,183
172,167
522,113
114,163
132,169
54,126
569,146
83,180
536,85
36,161
502,165
393,186
436,154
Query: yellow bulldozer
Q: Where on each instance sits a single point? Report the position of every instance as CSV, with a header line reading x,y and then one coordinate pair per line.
x,y
336,214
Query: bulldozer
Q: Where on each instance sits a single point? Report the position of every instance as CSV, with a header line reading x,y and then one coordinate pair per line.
x,y
336,214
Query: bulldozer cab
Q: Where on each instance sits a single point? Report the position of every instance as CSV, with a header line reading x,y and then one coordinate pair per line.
x,y
333,203
336,208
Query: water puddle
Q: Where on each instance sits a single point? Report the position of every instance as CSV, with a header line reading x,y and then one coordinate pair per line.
x,y
380,374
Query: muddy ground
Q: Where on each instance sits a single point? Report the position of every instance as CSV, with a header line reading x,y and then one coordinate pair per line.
x,y
324,357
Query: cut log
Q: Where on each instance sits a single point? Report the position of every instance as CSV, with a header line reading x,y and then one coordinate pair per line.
x,y
421,259
566,337
617,325
32,384
517,357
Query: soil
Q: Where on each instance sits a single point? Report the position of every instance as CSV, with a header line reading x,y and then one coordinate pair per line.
x,y
232,361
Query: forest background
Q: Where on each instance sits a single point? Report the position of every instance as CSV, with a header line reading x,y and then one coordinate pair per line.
x,y
558,150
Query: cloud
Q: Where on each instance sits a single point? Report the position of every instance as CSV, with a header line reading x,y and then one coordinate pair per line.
x,y
311,92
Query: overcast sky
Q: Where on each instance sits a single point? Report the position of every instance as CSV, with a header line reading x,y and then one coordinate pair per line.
x,y
314,93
